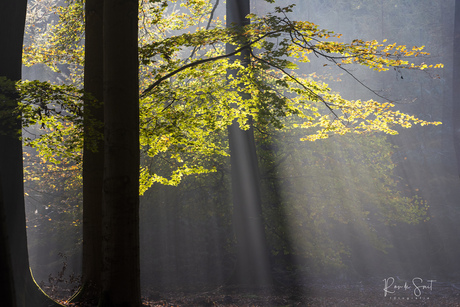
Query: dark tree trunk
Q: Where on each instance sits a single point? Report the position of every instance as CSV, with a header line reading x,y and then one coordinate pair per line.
x,y
12,20
252,269
456,84
93,153
121,272
7,292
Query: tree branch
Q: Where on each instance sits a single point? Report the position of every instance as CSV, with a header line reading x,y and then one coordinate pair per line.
x,y
211,16
199,62
298,82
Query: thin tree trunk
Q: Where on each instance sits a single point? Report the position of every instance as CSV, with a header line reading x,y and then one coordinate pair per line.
x,y
121,272
252,269
12,21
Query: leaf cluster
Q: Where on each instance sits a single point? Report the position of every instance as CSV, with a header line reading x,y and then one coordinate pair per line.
x,y
58,112
192,89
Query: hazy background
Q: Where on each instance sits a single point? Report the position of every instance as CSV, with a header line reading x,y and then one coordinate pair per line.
x,y
335,208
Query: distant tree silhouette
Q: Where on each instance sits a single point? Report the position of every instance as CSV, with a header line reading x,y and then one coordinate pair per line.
x,y
252,267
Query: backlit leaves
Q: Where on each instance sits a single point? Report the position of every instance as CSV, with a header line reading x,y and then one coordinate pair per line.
x,y
189,97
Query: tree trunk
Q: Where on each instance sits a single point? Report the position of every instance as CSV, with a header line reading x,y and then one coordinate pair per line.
x,y
7,292
456,84
12,21
121,272
252,269
93,153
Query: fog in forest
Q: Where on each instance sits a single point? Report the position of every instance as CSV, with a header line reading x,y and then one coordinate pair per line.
x,y
351,209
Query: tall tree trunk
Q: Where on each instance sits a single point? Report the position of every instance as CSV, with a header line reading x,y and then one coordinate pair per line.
x,y
121,272
93,153
252,269
12,21
456,84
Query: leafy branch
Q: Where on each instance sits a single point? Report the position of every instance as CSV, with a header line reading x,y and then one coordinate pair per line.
x,y
202,61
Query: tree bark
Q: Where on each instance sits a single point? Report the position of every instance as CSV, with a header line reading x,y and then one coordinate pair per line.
x,y
7,292
93,153
456,85
252,268
121,272
27,293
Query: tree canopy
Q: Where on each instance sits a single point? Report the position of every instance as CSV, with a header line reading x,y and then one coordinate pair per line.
x,y
186,96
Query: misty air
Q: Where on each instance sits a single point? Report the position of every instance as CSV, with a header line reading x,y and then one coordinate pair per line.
x,y
229,153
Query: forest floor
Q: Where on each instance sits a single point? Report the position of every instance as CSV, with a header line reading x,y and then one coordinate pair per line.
x,y
317,294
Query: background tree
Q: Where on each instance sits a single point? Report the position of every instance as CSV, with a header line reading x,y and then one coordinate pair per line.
x,y
252,266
